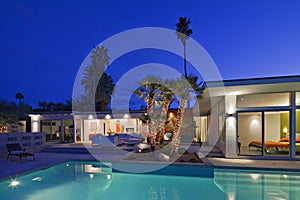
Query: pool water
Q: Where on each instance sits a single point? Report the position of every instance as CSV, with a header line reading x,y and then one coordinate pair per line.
x,y
94,180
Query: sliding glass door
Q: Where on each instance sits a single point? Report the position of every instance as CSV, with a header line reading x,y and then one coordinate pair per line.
x,y
264,133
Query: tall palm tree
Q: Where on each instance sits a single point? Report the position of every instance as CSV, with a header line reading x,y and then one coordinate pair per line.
x,y
104,92
83,103
183,32
100,59
90,79
95,88
166,95
19,96
149,91
183,88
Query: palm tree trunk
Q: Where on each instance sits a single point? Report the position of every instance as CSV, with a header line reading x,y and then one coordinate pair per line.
x,y
176,136
185,70
184,61
151,127
163,117
149,105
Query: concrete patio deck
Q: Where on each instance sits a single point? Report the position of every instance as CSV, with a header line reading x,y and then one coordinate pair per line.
x,y
259,164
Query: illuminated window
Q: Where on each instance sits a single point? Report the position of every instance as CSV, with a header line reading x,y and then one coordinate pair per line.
x,y
262,100
297,98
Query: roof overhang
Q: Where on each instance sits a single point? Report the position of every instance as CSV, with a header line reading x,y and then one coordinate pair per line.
x,y
253,86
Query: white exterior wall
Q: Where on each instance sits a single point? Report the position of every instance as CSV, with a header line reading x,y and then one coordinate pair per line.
x,y
35,123
32,142
230,133
213,134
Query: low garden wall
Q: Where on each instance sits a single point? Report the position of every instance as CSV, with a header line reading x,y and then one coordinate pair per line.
x,y
32,142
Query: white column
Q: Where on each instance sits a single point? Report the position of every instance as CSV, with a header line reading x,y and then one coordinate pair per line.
x,y
74,131
230,135
35,123
62,130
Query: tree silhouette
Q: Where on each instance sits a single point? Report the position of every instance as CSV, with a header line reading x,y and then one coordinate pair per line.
x,y
95,87
19,96
104,92
183,32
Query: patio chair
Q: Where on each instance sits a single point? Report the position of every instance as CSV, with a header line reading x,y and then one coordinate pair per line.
x,y
14,149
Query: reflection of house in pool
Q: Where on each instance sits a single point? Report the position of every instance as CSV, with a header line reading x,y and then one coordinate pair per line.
x,y
261,111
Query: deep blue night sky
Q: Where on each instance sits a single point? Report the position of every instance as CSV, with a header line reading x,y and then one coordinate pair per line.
x,y
43,43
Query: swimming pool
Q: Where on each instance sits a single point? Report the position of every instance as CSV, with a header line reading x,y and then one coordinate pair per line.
x,y
94,180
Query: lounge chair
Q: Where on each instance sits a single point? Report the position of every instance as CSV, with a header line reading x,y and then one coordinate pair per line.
x,y
15,149
268,144
281,146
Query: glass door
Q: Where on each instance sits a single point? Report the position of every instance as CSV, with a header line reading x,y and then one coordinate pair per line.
x,y
277,133
264,133
68,130
250,133
52,129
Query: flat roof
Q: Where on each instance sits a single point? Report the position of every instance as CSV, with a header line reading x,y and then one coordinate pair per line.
x,y
253,86
255,81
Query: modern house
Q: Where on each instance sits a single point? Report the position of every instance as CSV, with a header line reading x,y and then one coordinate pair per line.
x,y
247,117
82,126
262,117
